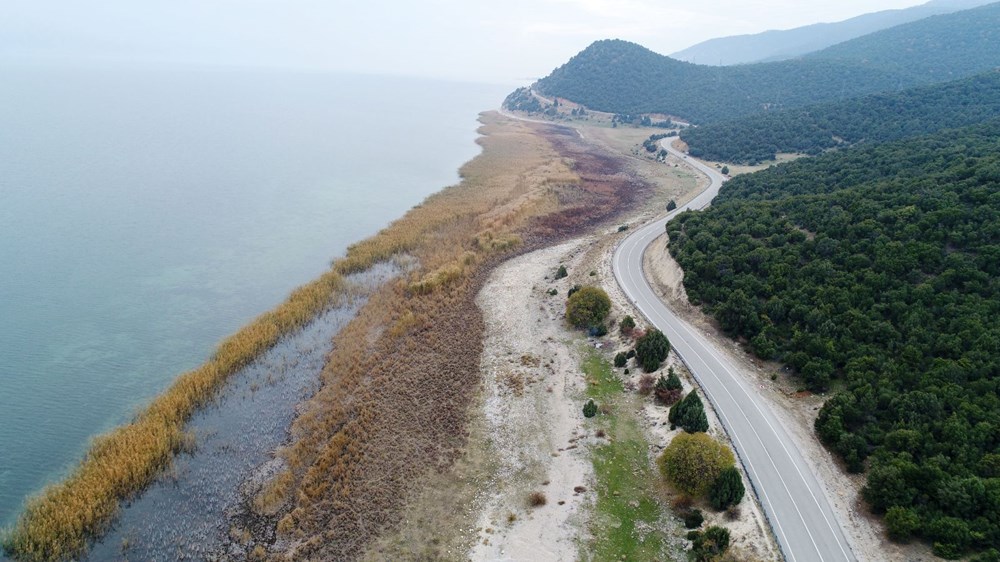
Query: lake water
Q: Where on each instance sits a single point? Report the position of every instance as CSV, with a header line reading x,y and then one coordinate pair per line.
x,y
146,214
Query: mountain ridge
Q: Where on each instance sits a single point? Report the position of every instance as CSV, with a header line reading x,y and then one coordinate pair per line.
x,y
622,77
782,44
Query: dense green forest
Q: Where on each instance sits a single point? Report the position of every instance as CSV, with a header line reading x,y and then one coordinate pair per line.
x,y
622,77
875,272
873,118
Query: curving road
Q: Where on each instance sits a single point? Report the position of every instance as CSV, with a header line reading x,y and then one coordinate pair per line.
x,y
793,500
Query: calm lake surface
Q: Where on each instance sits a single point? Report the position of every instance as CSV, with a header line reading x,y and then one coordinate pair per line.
x,y
146,214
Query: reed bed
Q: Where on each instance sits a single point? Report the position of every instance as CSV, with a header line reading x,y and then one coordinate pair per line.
x,y
58,523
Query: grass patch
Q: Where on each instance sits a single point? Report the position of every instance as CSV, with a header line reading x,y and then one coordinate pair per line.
x,y
627,515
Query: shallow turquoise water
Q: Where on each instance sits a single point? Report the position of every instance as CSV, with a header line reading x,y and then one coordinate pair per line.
x,y
146,214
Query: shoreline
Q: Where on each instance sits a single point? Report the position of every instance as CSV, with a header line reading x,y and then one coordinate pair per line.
x,y
531,186
62,519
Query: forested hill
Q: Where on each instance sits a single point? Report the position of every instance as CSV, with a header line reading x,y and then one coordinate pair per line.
x,y
873,118
784,44
622,77
875,271
934,49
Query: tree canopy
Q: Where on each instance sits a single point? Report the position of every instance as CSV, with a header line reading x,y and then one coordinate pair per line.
x,y
651,350
875,271
874,118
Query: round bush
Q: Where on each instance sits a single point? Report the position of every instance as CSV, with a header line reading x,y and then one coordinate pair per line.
x,y
588,307
692,462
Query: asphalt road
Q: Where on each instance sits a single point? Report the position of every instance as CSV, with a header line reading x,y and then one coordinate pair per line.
x,y
794,502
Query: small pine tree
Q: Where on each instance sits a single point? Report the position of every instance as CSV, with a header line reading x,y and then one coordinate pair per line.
x,y
709,545
652,349
689,414
673,381
589,409
727,489
561,272
665,390
671,205
627,325
693,519
620,359
725,170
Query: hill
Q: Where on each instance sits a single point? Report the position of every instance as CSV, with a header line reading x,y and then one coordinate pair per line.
x,y
876,271
784,44
622,77
873,118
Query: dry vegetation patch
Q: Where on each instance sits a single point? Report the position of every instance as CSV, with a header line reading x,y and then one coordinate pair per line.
x,y
394,409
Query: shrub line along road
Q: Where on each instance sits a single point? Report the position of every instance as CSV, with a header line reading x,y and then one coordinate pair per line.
x,y
793,499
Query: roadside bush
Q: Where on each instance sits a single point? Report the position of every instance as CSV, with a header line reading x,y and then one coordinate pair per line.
x,y
668,389
561,272
692,462
651,350
901,523
710,544
689,414
727,490
627,325
671,205
620,359
589,409
588,307
693,519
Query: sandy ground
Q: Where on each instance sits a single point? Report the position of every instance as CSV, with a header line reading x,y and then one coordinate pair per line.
x,y
533,412
532,386
796,410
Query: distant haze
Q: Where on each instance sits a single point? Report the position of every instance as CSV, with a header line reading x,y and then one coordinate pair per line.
x,y
511,41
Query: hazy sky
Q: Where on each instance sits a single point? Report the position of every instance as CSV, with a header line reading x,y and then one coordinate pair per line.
x,y
476,40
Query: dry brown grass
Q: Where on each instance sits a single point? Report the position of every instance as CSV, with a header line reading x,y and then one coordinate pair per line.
x,y
537,499
394,408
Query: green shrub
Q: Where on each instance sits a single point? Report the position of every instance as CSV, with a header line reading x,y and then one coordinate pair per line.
x,y
693,519
588,307
561,272
589,409
627,325
727,490
689,414
668,389
692,462
710,544
671,205
901,523
652,349
620,359
630,354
